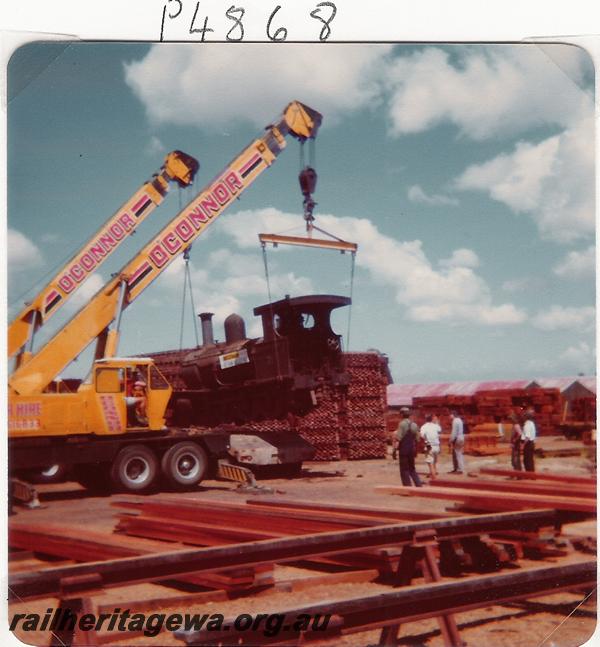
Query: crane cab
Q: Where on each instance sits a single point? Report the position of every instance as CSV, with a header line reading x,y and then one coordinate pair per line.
x,y
124,394
129,394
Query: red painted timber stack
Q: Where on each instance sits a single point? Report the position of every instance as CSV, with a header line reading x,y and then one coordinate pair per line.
x,y
366,403
485,406
347,422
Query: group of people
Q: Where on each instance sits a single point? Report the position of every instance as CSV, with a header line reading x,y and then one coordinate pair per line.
x,y
523,438
408,436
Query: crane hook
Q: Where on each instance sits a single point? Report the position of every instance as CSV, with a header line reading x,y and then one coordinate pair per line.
x,y
308,184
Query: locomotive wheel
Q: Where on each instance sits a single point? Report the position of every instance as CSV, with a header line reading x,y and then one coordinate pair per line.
x,y
184,465
134,469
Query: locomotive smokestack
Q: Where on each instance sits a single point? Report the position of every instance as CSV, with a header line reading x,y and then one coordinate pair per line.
x,y
207,328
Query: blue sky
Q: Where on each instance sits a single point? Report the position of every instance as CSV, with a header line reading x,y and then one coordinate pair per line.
x,y
464,173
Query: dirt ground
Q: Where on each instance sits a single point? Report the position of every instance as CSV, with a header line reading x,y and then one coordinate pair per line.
x,y
559,620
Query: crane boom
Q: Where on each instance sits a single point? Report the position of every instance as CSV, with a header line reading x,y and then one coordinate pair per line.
x,y
93,319
178,167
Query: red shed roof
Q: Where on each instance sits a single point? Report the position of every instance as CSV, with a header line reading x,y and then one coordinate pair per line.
x,y
401,395
562,383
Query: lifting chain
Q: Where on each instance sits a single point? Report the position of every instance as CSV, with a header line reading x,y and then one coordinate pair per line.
x,y
187,285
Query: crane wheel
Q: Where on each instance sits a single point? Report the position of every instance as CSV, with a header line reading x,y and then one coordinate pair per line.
x,y
134,469
184,465
56,473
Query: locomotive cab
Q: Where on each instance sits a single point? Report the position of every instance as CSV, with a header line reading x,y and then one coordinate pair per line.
x,y
303,326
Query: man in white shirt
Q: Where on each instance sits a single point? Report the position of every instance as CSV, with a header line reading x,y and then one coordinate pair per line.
x,y
430,433
529,434
457,443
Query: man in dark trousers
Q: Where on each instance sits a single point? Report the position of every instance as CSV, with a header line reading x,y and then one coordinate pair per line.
x,y
407,436
529,434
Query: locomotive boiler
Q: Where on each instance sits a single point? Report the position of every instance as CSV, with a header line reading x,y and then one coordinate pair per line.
x,y
241,380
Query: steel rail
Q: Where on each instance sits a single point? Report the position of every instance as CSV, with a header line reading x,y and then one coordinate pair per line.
x,y
159,566
419,602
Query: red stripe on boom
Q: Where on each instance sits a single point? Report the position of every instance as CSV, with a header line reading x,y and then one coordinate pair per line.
x,y
249,163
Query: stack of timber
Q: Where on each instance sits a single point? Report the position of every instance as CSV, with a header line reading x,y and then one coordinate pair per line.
x,y
366,403
84,545
568,495
195,523
322,425
347,422
276,532
488,406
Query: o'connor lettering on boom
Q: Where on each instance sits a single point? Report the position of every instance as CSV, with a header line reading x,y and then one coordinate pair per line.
x,y
106,240
200,212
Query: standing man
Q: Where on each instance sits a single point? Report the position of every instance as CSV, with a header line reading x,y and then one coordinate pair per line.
x,y
430,433
500,427
407,435
457,444
516,439
529,434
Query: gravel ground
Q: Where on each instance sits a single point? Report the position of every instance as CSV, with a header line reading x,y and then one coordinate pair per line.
x,y
559,620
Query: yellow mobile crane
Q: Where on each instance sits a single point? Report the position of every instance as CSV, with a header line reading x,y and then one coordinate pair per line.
x,y
177,167
102,430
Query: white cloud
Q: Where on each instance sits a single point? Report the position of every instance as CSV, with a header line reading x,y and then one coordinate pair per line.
x,y
552,181
155,146
580,358
239,277
86,291
577,264
502,91
255,284
523,283
453,293
416,194
492,91
577,358
50,237
565,318
218,85
23,254
461,258
487,92
237,264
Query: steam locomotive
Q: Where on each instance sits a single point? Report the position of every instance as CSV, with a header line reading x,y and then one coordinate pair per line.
x,y
242,380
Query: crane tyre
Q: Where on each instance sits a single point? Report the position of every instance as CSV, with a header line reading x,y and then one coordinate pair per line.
x,y
134,469
56,473
184,465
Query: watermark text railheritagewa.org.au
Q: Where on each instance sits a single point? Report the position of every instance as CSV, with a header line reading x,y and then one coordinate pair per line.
x,y
269,624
